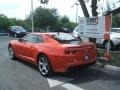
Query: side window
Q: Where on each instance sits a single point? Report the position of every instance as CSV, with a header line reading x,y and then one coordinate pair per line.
x,y
13,29
112,30
118,30
28,38
37,39
32,39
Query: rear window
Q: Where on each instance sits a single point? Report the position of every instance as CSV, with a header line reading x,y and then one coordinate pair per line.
x,y
66,38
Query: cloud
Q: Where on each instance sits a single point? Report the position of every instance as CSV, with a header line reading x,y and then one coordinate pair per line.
x,y
21,8
64,8
15,8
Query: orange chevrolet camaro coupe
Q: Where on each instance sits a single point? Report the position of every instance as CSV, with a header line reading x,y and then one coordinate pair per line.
x,y
53,52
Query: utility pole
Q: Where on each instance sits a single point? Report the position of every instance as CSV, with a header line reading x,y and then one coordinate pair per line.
x,y
94,7
94,14
76,11
32,19
86,14
84,8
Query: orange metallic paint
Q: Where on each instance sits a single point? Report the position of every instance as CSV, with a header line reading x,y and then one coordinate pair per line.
x,y
55,51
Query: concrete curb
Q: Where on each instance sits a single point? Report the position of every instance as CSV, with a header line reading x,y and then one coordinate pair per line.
x,y
108,67
113,68
102,63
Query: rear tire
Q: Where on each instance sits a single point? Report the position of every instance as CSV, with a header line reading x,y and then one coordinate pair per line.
x,y
44,66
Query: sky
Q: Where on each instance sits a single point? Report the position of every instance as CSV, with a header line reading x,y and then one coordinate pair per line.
x,y
21,8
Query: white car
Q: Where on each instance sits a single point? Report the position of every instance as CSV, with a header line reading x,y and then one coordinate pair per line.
x,y
114,38
75,32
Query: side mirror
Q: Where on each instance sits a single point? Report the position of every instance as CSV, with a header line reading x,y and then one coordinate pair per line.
x,y
20,40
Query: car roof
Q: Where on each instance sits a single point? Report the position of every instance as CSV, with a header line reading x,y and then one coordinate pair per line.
x,y
46,34
49,33
15,26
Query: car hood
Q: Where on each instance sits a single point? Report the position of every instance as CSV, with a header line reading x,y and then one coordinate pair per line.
x,y
115,34
13,41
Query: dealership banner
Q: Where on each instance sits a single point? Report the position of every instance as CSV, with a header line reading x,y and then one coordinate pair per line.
x,y
95,27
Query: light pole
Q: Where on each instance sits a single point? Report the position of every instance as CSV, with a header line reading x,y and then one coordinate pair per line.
x,y
32,20
76,11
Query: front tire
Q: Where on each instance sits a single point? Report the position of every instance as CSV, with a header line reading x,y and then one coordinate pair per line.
x,y
44,66
15,36
11,53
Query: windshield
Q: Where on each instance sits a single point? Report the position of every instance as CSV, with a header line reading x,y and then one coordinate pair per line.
x,y
66,38
18,28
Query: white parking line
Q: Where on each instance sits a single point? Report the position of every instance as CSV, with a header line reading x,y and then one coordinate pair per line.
x,y
114,68
55,81
70,86
63,81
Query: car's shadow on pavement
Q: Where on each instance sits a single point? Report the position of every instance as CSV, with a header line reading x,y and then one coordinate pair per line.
x,y
32,66
79,75
85,75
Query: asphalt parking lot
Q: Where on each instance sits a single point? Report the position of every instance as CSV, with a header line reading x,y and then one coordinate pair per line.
x,y
20,75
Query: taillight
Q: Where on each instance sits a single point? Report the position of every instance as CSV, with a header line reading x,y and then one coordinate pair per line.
x,y
67,52
95,49
71,51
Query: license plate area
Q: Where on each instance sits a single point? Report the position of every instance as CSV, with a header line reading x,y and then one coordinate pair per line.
x,y
87,57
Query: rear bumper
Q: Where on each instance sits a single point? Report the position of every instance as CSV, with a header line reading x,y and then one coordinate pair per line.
x,y
62,64
77,67
79,64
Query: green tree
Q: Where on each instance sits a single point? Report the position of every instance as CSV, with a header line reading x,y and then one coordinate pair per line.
x,y
64,22
13,21
27,23
19,22
70,25
44,17
64,19
4,22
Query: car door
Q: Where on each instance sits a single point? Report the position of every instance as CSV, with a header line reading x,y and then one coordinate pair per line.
x,y
28,48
